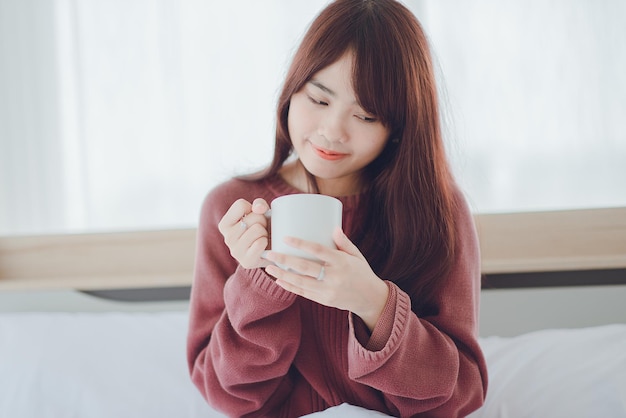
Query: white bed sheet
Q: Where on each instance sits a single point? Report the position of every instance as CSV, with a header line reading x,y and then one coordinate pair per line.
x,y
93,365
96,365
557,373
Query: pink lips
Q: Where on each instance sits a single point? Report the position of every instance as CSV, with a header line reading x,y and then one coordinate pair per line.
x,y
328,154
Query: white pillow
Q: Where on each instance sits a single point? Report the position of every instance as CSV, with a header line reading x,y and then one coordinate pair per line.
x,y
557,373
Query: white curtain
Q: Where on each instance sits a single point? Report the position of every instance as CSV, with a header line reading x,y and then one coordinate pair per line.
x,y
536,93
123,114
30,156
145,106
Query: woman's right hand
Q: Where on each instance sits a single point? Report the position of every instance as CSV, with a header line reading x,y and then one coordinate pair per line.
x,y
245,231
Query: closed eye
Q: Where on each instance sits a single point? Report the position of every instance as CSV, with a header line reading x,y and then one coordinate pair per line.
x,y
368,119
318,102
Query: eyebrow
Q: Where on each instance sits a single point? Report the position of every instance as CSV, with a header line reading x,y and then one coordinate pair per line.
x,y
326,89
322,87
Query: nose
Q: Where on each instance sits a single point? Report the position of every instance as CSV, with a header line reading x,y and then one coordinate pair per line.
x,y
333,127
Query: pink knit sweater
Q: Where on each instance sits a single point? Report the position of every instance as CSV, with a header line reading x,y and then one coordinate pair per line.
x,y
255,349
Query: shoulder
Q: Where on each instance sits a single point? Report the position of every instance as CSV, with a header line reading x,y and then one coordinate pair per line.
x,y
229,191
465,231
460,203
222,196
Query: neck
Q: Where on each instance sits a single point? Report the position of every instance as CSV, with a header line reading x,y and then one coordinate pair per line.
x,y
295,174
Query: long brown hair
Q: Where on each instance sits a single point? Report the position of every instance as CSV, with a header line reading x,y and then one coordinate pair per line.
x,y
408,233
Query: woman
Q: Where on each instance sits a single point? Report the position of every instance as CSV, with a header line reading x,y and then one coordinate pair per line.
x,y
393,324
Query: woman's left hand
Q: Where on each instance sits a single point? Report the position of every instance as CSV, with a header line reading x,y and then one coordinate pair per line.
x,y
347,280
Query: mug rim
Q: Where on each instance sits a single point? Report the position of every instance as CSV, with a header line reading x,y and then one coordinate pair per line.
x,y
307,195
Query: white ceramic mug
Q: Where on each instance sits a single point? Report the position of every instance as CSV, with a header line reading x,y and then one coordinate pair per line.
x,y
312,217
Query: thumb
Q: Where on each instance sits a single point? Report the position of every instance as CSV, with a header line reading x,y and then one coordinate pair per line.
x,y
344,244
260,206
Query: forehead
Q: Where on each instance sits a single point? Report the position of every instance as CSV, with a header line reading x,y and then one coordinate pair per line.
x,y
336,77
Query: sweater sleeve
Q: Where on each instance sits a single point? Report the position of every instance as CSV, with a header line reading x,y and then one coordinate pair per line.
x,y
244,330
431,365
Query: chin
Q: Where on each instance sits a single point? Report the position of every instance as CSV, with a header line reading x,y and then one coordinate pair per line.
x,y
315,169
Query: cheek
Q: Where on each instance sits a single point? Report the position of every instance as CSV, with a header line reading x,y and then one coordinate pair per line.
x,y
376,142
376,150
298,119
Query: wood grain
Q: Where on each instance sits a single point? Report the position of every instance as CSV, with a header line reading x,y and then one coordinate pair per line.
x,y
517,242
553,241
98,261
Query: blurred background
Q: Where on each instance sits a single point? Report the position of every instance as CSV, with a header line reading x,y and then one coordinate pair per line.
x,y
121,115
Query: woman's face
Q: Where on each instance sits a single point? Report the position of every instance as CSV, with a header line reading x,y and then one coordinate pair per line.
x,y
332,135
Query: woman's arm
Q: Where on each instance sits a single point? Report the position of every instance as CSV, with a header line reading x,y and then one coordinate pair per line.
x,y
244,330
428,363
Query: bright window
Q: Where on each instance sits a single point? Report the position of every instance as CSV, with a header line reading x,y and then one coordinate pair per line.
x,y
536,100
122,115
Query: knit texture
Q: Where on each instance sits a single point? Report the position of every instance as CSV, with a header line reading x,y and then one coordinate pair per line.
x,y
255,349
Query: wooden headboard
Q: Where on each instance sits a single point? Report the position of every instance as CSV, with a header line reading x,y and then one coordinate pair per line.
x,y
510,243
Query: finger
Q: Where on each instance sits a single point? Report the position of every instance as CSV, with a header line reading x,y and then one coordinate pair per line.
x,y
251,235
251,226
234,214
260,206
298,265
254,219
319,251
232,233
296,283
249,248
256,249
